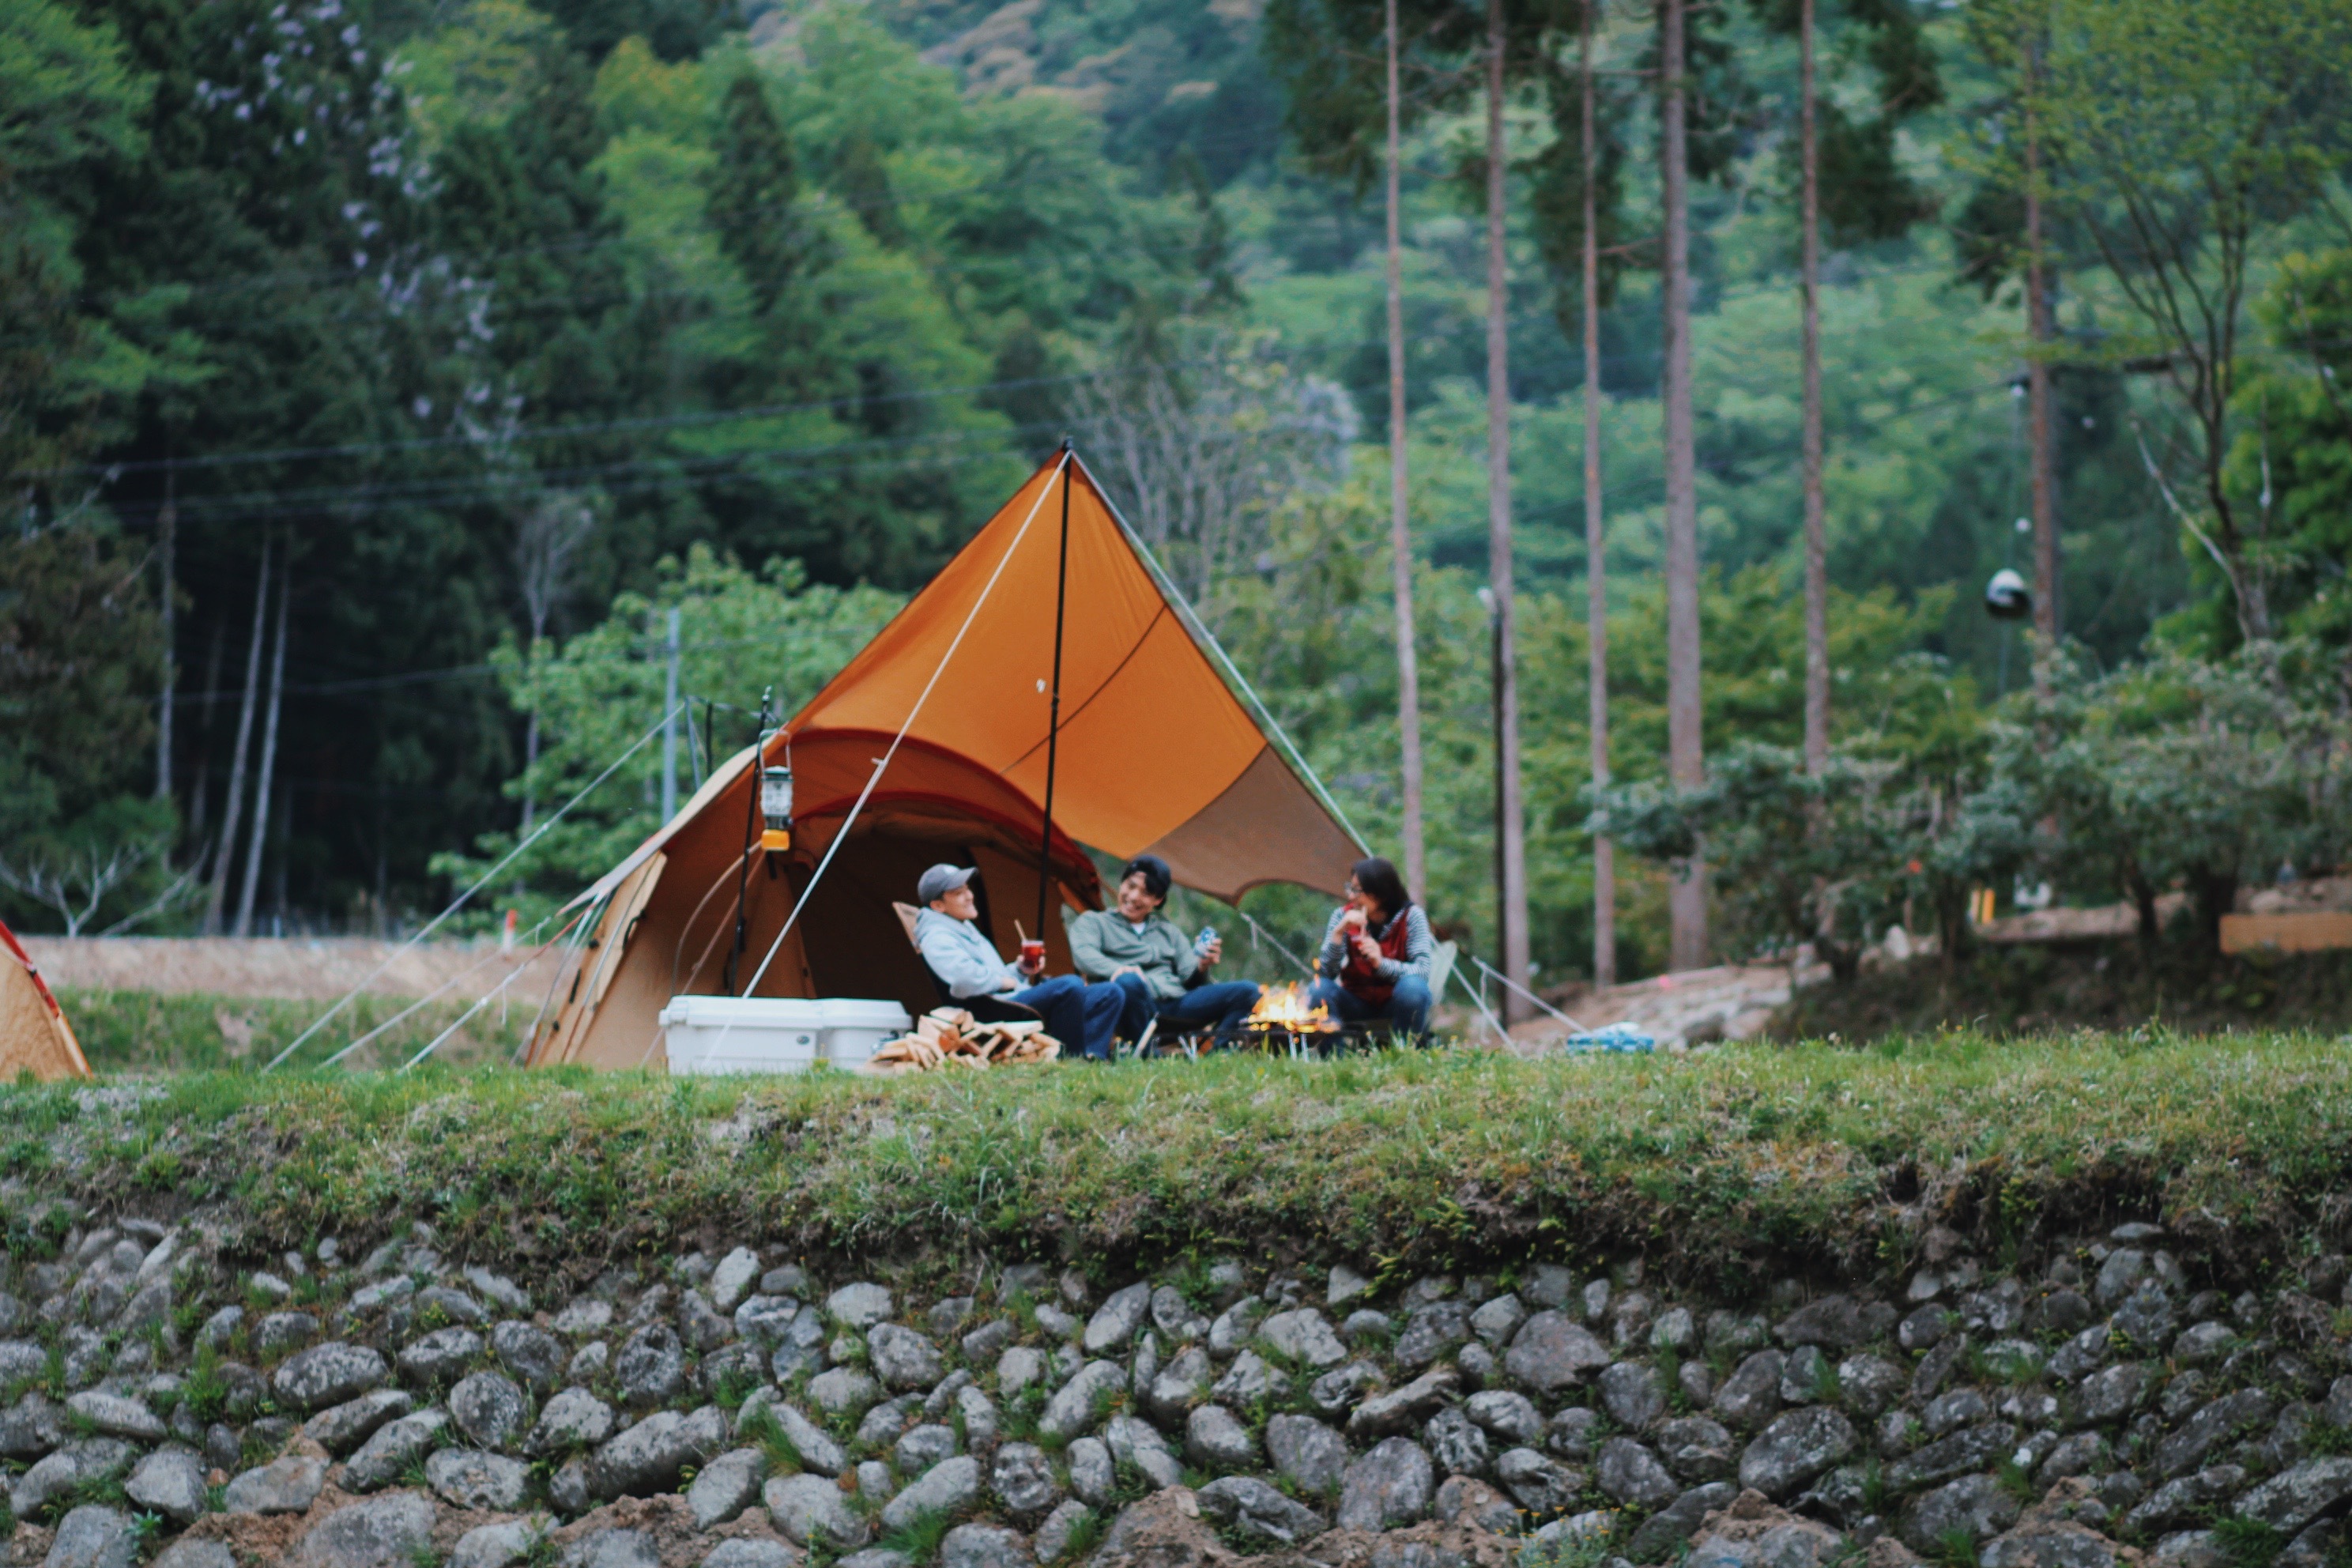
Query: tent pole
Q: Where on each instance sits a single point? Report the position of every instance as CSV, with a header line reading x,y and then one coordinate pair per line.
x,y
751,837
1054,719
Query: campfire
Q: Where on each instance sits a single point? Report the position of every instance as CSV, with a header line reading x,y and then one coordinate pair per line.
x,y
1283,1015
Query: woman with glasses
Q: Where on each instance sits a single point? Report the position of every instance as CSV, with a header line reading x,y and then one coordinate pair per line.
x,y
1374,964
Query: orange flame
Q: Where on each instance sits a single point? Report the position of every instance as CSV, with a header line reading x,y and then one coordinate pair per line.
x,y
1285,1007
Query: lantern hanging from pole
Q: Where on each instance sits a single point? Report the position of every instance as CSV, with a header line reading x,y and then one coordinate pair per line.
x,y
776,809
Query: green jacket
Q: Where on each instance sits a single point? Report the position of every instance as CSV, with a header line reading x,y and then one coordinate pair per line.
x,y
1101,940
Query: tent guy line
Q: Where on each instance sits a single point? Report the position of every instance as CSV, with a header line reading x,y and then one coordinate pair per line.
x,y
461,900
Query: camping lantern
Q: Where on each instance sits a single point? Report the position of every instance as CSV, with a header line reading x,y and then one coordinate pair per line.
x,y
2007,598
776,808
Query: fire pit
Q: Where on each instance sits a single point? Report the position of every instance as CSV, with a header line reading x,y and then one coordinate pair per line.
x,y
1284,1022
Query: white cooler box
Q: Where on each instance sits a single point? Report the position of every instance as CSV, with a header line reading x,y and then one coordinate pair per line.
x,y
775,1034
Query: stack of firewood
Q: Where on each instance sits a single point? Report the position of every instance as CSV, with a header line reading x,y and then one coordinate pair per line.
x,y
951,1037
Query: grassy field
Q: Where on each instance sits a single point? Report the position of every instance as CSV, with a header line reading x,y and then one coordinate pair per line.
x,y
146,1031
1722,1168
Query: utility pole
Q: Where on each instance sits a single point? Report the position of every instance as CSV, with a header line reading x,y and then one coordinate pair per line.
x,y
1512,829
1596,569
254,847
1686,757
168,526
1817,570
1416,861
216,901
2041,329
669,725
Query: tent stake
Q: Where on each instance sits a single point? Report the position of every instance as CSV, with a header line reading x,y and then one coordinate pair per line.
x,y
1053,719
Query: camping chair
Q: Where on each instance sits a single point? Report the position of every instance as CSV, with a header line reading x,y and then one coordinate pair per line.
x,y
1362,1037
985,1009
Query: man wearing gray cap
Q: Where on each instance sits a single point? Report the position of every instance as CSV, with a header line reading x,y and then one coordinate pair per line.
x,y
1080,1016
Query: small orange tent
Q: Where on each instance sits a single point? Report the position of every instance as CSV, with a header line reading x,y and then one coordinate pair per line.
x,y
34,1035
1154,751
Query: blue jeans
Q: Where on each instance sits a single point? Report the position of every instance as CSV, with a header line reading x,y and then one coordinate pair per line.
x,y
1080,1016
1224,1002
1407,1012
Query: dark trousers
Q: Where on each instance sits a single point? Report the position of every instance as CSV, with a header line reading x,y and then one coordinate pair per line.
x,y
1407,1010
1080,1016
1223,1003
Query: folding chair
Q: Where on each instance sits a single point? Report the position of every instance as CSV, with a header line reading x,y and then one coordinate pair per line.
x,y
986,1009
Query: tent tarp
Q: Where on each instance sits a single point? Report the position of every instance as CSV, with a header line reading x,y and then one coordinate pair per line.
x,y
34,1035
1154,753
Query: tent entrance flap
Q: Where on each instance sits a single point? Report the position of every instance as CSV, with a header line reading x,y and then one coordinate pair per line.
x,y
1154,751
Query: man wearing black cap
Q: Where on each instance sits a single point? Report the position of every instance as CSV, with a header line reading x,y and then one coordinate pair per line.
x,y
1080,1016
1156,968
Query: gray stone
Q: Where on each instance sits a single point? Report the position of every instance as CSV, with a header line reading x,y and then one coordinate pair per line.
x,y
186,1552
1016,1369
1807,1377
2227,1417
2191,1549
986,1341
439,1357
816,1446
452,1304
1248,1504
646,1459
1365,1326
1974,1504
280,1333
1455,1443
859,1306
500,1545
1838,1322
812,1511
2109,1395
1632,1474
945,1488
1574,1432
2185,1499
1023,1478
327,1373
469,1478
489,1408
1697,1450
1345,1286
1976,1449
592,1363
1388,1487
1797,1446
1657,1537
1338,1391
573,1419
1137,1445
1176,1387
923,1446
1634,1394
1400,1408
764,1319
93,1537
1306,1453
1472,1504
169,1481
1081,1402
288,1484
1997,1310
734,1279
1498,1319
339,1428
2204,1343
1250,1379
1118,1320
1751,1396
395,1445
1235,1327
612,1549
32,1426
843,1390
1950,1411
903,1358
748,1554
1869,1384
1541,1484
2146,1316
1304,1335
1092,1475
84,1462
382,1532
1053,1537
2292,1499
650,1370
984,1546
1430,1331
1508,1415
726,1486
113,1416
2082,1454
1215,1438
529,1352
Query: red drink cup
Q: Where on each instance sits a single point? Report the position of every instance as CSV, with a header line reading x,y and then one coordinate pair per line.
x,y
1033,953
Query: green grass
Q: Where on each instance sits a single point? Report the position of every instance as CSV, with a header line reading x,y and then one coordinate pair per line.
x,y
147,1031
919,1539
2249,1543
1412,1161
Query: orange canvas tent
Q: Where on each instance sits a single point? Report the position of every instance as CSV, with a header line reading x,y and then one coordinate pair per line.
x,y
34,1035
1154,751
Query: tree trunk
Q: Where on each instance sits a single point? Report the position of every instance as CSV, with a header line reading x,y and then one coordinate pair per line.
x,y
1686,759
1817,570
168,528
1417,861
1512,825
261,797
2039,330
202,795
1596,567
226,851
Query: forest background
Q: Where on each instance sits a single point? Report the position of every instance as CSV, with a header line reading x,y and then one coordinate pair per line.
x,y
385,371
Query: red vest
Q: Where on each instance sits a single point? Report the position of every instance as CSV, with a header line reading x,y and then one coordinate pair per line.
x,y
1361,979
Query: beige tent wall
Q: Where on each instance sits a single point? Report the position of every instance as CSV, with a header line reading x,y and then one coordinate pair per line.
x,y
34,1035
